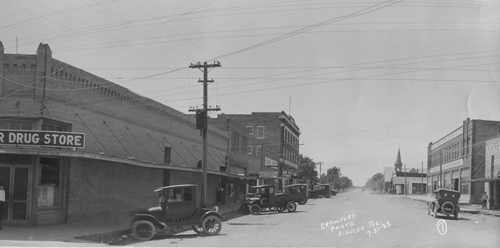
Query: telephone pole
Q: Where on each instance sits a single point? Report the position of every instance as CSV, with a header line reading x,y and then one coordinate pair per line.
x,y
319,170
201,123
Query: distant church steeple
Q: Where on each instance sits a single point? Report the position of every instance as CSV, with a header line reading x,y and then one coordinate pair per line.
x,y
398,165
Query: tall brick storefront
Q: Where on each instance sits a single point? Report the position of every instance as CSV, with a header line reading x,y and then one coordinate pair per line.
x,y
132,144
457,161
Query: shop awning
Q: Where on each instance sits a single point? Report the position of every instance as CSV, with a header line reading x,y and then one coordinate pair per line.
x,y
289,165
104,157
483,180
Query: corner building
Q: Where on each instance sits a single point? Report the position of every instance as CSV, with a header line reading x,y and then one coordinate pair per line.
x,y
128,145
274,147
457,160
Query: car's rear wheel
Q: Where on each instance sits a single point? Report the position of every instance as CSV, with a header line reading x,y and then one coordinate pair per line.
x,y
198,229
143,230
291,206
211,225
327,195
255,209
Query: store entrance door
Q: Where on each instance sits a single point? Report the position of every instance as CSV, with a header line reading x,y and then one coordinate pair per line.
x,y
17,185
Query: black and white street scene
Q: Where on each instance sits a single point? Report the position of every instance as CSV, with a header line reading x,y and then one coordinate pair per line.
x,y
263,123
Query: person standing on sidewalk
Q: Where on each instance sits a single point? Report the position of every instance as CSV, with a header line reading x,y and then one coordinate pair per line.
x,y
2,202
484,199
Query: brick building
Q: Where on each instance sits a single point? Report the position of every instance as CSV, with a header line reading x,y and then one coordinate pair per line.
x,y
274,148
458,159
111,147
234,187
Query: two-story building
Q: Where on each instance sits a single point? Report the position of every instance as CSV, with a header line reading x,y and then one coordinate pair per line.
x,y
457,159
275,147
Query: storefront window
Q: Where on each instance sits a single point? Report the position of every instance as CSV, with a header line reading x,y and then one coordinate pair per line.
x,y
49,190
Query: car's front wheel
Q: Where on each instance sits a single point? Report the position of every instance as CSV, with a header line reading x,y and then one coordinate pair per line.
x,y
211,225
143,230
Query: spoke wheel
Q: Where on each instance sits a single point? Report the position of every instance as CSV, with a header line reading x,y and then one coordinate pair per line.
x,y
198,229
212,225
143,230
255,209
291,206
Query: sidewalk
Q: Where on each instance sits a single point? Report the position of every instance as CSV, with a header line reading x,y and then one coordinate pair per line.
x,y
66,233
465,208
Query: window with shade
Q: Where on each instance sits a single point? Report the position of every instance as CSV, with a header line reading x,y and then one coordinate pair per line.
x,y
49,182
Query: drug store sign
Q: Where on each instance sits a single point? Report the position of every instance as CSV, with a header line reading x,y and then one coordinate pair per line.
x,y
42,138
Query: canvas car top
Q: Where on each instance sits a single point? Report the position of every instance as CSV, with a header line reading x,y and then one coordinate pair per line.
x,y
294,185
262,186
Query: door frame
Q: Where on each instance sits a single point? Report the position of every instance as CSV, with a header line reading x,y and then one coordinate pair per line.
x,y
9,195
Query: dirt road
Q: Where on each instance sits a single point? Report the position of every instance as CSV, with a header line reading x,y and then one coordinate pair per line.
x,y
351,219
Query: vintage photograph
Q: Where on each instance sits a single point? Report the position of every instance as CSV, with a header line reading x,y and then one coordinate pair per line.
x,y
237,123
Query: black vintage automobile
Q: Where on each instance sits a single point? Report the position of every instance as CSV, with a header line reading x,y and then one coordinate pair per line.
x,y
265,198
178,207
446,203
321,190
297,189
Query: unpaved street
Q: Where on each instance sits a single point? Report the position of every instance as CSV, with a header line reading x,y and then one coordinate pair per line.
x,y
351,219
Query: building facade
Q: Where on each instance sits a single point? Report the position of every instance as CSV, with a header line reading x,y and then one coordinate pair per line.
x,y
242,173
274,148
75,147
402,180
492,173
457,159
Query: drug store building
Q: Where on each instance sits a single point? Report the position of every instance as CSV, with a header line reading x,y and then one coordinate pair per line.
x,y
457,160
75,147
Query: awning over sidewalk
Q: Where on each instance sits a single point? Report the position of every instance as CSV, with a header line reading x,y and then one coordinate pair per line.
x,y
483,180
289,165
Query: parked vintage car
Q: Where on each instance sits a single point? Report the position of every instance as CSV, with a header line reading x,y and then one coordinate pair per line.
x,y
265,198
334,192
446,203
297,189
320,190
178,206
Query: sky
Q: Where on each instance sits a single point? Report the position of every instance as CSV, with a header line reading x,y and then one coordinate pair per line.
x,y
361,79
